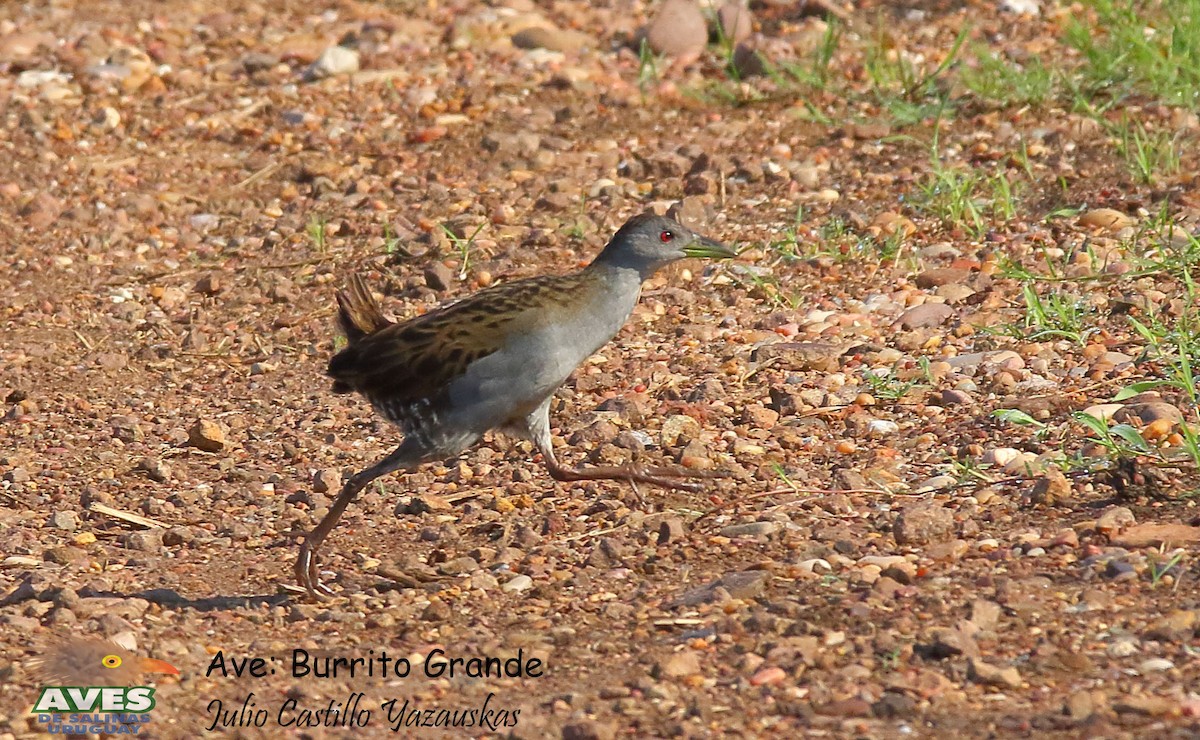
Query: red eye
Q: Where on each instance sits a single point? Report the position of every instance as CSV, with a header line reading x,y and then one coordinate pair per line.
x,y
666,236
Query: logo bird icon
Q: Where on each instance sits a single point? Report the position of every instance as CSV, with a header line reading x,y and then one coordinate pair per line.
x,y
79,661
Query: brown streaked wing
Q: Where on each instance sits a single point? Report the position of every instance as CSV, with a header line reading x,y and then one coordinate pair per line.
x,y
419,358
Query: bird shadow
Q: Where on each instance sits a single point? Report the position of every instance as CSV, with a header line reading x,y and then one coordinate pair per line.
x,y
171,598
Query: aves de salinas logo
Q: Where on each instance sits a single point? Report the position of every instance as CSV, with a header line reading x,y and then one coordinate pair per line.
x,y
94,687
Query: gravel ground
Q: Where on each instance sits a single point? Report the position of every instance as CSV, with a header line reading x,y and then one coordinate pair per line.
x,y
185,189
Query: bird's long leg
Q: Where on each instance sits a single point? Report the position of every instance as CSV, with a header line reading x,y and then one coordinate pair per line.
x,y
407,455
538,424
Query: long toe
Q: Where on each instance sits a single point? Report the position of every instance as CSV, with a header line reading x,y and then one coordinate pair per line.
x,y
666,481
308,574
680,472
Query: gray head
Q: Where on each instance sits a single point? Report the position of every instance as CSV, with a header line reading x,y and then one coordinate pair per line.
x,y
648,241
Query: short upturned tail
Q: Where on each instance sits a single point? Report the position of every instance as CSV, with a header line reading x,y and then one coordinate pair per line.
x,y
358,316
358,313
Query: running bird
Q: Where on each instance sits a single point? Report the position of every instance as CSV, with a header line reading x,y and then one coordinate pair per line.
x,y
493,360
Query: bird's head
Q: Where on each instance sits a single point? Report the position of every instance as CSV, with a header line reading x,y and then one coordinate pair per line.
x,y
648,242
87,662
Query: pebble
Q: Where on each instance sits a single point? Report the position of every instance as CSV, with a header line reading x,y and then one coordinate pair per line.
x,y
1148,413
1147,706
678,29
925,315
736,21
882,428
1079,706
1021,7
670,530
1154,665
814,565
750,529
986,673
924,523
155,469
678,429
678,665
588,729
326,480
518,584
1123,648
1114,519
206,435
336,60
1052,487
1106,219
768,676
556,39
68,521
150,540
941,276
1176,626
954,397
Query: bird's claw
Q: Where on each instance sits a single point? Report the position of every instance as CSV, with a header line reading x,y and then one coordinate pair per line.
x,y
308,574
671,477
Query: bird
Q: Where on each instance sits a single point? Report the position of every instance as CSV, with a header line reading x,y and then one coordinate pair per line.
x,y
493,360
82,661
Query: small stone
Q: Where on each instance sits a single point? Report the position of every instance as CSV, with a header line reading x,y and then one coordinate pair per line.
x,y
1106,219
150,540
1146,706
556,39
1119,570
954,397
768,676
68,521
924,523
518,584
588,729
678,29
206,435
745,584
819,356
438,276
106,119
986,673
326,480
1177,626
336,60
1051,487
985,614
941,276
1021,7
678,430
1114,519
678,665
63,555
670,530
925,315
1148,413
1123,648
1079,706
209,285
881,428
750,529
437,611
951,643
155,469
748,61
1155,665
735,20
